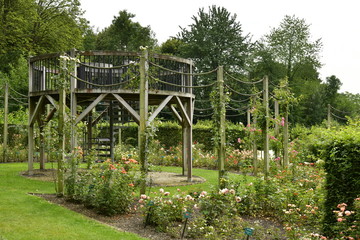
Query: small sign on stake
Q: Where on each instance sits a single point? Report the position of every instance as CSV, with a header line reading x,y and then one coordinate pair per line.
x,y
248,232
187,215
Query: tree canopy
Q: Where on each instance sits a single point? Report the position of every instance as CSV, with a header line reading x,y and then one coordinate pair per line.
x,y
214,38
125,34
31,27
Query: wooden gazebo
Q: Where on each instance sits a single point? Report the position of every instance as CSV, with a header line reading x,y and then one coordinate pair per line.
x,y
117,83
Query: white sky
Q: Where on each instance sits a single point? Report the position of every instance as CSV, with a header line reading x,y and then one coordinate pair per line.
x,y
335,22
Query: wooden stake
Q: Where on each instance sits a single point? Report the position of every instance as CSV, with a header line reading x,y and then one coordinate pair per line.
x,y
143,118
30,126
266,127
221,150
286,137
73,104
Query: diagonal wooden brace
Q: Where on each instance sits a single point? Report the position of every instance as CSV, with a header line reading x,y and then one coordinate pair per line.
x,y
132,112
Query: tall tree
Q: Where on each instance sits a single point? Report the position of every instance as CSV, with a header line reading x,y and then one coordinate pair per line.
x,y
124,34
215,38
291,45
30,27
332,86
58,26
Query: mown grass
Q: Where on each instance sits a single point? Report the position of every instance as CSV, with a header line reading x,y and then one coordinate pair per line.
x,y
211,183
25,216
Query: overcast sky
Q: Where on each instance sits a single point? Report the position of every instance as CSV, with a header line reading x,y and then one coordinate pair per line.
x,y
336,22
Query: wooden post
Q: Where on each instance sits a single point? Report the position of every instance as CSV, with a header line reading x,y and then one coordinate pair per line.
x,y
31,139
276,110
286,136
30,126
221,150
255,159
6,112
266,125
276,129
143,138
187,140
111,131
329,116
89,131
61,133
73,104
248,117
42,144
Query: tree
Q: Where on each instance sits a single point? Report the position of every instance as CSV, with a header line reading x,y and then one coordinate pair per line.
x,y
171,46
215,38
291,46
332,86
124,34
31,27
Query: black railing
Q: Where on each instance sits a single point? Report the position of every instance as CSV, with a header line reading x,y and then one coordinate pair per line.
x,y
112,71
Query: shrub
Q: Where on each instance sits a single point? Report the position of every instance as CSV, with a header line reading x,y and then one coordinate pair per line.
x,y
108,187
342,165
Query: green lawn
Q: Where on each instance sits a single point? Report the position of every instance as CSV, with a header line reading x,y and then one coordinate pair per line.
x,y
24,216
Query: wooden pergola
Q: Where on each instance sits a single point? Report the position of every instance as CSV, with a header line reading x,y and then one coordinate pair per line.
x,y
83,80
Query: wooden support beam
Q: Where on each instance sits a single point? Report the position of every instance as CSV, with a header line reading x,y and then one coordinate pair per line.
x,y
50,115
31,140
37,110
132,112
100,116
41,125
177,115
143,119
221,144
266,126
159,108
73,104
52,101
286,137
90,107
183,111
187,141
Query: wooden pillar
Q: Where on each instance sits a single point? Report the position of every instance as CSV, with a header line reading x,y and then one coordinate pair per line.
x,y
276,111
187,139
6,112
221,150
30,126
248,118
255,157
276,129
89,131
266,125
111,131
143,138
61,133
42,144
286,137
73,104
184,147
31,140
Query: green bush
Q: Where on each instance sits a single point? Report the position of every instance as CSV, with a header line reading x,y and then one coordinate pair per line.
x,y
107,187
342,164
169,134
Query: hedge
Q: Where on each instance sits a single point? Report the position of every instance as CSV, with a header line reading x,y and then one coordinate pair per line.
x,y
169,134
342,164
